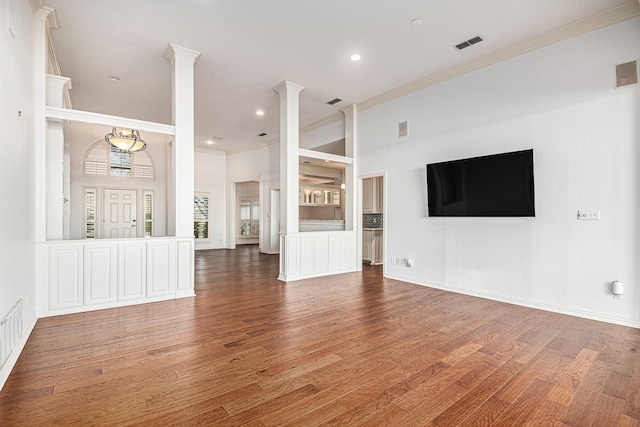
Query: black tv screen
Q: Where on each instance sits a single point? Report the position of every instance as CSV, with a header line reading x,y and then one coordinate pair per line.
x,y
496,185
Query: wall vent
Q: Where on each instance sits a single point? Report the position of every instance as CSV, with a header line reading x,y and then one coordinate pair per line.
x,y
334,101
465,44
10,331
403,129
627,74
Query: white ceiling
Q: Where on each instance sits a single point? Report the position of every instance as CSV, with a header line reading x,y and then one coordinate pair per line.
x,y
250,46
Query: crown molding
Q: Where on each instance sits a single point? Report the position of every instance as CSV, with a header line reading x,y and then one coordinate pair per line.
x,y
324,122
609,17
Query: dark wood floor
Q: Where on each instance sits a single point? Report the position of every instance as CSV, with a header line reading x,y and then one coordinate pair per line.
x,y
353,349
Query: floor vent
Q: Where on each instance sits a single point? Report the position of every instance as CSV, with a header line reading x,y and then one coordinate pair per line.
x,y
10,331
470,42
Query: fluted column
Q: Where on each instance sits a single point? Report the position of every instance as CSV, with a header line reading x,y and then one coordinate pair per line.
x,y
45,18
56,85
182,152
289,180
289,164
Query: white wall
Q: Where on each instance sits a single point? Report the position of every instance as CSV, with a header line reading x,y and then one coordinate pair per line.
x,y
17,249
560,101
261,165
317,137
83,136
210,177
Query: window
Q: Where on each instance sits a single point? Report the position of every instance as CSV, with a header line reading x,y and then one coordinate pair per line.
x,y
201,216
249,217
120,162
90,213
148,213
103,159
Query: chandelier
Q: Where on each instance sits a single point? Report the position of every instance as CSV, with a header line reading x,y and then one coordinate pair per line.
x,y
126,140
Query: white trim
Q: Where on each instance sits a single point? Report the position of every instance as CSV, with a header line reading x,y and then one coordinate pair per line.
x,y
303,152
524,303
108,120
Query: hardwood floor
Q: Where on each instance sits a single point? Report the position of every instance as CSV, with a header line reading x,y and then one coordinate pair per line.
x,y
353,349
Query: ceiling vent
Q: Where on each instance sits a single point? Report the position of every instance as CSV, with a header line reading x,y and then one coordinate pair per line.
x,y
334,101
262,134
467,43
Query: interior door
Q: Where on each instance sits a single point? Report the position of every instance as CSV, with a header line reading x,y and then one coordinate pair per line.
x,y
119,214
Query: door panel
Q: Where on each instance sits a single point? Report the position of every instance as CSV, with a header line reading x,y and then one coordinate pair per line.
x,y
120,214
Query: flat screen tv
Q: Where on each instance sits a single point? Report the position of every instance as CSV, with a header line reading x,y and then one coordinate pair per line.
x,y
499,185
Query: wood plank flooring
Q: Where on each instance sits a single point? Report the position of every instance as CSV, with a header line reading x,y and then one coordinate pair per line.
x,y
352,349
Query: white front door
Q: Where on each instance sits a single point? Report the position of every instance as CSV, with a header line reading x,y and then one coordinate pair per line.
x,y
119,214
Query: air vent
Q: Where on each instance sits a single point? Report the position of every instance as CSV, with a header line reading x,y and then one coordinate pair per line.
x,y
467,43
262,134
627,74
334,101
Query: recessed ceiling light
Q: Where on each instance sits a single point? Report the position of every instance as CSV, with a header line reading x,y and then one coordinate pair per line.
x,y
115,78
355,57
260,113
210,142
416,22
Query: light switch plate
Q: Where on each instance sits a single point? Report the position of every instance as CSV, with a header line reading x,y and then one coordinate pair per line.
x,y
588,215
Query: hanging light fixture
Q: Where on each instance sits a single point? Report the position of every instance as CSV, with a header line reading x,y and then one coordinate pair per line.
x,y
126,140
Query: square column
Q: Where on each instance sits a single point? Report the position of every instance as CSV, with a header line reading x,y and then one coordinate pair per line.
x,y
56,85
181,183
183,61
289,167
289,161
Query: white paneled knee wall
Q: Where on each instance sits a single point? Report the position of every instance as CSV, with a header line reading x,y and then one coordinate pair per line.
x,y
93,274
313,254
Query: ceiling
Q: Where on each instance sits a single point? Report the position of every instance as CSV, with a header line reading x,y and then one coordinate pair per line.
x,y
250,46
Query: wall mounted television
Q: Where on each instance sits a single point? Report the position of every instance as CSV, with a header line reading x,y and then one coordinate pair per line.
x,y
499,185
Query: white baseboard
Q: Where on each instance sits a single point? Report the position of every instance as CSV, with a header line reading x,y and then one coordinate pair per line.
x,y
525,303
15,354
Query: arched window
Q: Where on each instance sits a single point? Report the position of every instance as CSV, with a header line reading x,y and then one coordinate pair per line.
x,y
103,159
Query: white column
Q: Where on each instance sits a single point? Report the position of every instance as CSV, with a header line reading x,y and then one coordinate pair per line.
x,y
289,180
183,61
289,162
54,166
351,181
182,154
45,18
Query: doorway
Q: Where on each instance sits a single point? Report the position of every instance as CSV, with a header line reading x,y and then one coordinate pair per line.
x,y
245,213
373,202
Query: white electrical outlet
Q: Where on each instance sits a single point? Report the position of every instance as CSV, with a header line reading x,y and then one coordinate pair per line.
x,y
588,215
409,262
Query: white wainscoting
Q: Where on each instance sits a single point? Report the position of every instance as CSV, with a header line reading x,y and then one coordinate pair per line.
x,y
87,275
100,273
313,254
